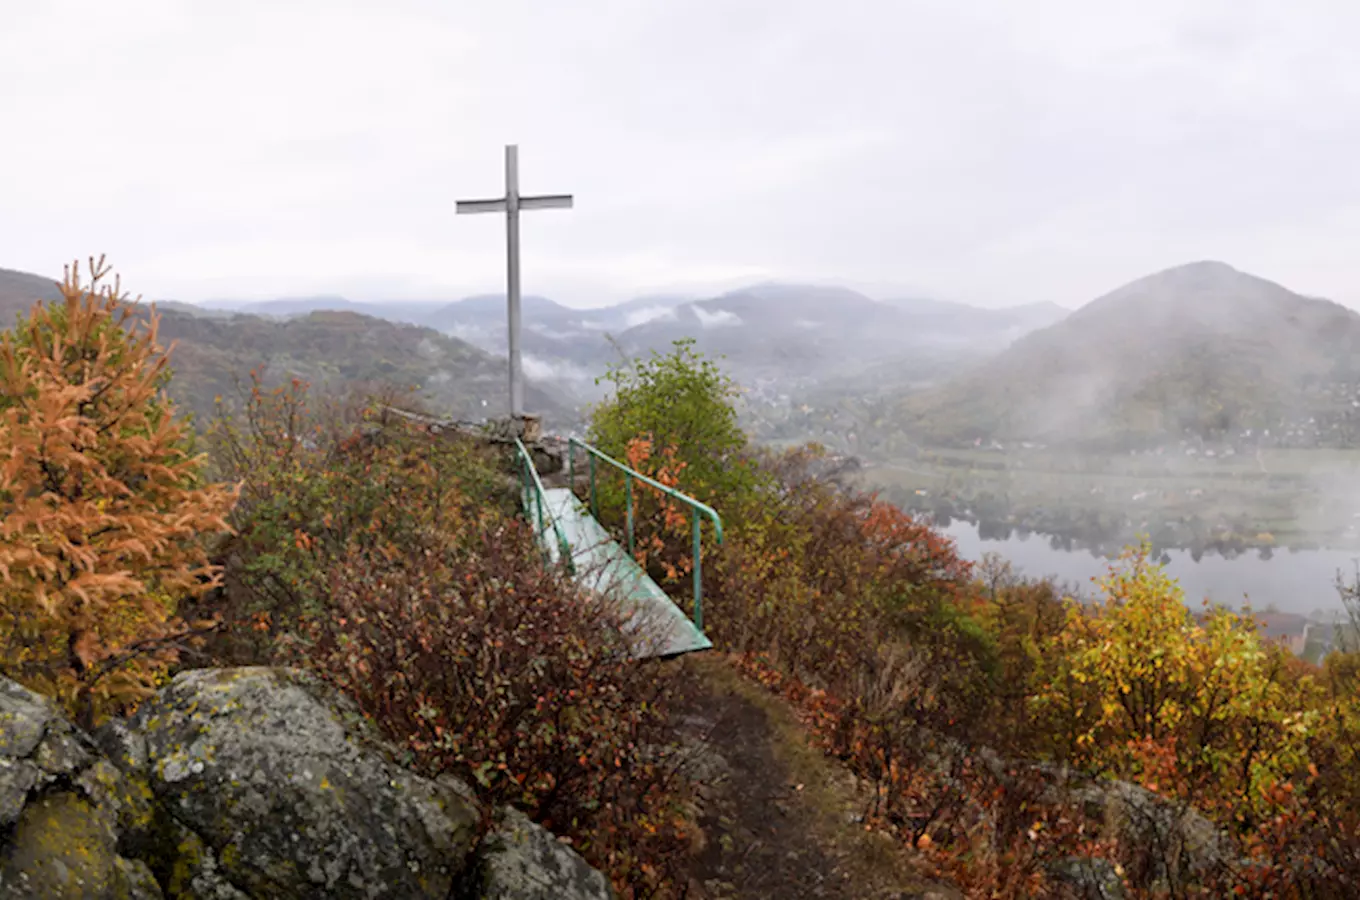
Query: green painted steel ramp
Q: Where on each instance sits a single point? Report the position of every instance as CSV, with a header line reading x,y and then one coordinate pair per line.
x,y
601,565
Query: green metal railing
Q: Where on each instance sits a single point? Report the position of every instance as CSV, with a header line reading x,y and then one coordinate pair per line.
x,y
629,475
533,495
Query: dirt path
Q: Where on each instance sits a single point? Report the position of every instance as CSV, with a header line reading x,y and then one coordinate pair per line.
x,y
779,819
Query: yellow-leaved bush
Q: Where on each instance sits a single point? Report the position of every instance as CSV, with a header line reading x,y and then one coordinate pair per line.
x,y
103,509
1200,706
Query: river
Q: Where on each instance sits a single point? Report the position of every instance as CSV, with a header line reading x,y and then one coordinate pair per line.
x,y
1294,581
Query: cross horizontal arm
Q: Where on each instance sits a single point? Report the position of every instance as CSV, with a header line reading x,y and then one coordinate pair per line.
x,y
548,201
481,206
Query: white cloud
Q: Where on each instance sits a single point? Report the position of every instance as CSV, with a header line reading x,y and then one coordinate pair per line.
x,y
649,314
550,371
991,151
718,318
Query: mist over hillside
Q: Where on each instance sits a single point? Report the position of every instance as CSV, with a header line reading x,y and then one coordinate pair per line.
x,y
1199,351
791,335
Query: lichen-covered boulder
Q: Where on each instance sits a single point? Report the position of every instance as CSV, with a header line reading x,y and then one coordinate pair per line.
x,y
245,784
63,809
261,768
1164,844
1167,843
521,860
37,746
1088,878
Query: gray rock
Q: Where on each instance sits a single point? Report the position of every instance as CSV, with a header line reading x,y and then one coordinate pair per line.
x,y
24,717
65,847
256,765
524,861
1168,845
17,778
195,873
63,750
67,808
38,745
137,880
1086,878
248,783
1171,844
123,746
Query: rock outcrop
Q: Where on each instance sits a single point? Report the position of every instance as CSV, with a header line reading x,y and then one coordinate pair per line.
x,y
521,860
63,808
249,783
1167,844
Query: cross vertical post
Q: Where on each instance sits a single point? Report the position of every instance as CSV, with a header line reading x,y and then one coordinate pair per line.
x,y
512,298
511,204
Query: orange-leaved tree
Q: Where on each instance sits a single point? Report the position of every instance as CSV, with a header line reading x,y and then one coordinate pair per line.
x,y
102,504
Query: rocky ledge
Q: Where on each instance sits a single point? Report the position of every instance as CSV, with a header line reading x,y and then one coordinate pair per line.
x,y
250,783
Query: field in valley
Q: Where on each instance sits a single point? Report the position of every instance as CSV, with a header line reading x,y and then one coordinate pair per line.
x,y
1276,497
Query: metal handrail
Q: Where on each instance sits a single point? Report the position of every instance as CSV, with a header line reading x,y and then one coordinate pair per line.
x,y
697,508
533,484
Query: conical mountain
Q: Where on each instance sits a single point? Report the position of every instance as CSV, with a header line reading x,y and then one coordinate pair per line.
x,y
1200,350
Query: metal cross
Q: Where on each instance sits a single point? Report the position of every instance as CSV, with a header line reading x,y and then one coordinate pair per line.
x,y
511,204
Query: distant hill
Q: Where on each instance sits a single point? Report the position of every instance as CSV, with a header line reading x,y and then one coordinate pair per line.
x,y
411,312
337,348
807,335
19,291
779,330
799,334
213,347
1200,350
782,331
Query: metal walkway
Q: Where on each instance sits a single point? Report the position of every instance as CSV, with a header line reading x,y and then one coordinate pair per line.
x,y
571,536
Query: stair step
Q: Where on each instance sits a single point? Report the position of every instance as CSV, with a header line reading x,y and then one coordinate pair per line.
x,y
606,568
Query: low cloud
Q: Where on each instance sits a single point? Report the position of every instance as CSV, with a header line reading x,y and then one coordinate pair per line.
x,y
718,318
649,314
554,371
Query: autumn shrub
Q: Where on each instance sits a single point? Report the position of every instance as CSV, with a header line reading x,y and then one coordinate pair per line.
x,y
826,584
321,476
388,560
1021,618
489,666
993,833
1137,672
105,507
1204,712
866,618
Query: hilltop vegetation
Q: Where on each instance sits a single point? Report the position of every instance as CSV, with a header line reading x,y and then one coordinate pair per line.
x,y
389,564
1017,742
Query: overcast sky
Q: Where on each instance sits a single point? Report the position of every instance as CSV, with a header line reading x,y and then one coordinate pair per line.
x,y
993,152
